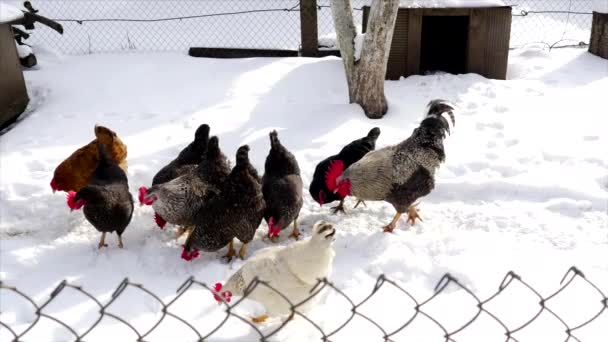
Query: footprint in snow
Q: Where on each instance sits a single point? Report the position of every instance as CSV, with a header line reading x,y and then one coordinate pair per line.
x,y
591,138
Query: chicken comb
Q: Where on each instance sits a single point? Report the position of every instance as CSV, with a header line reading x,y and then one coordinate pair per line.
x,y
70,199
227,295
336,167
142,194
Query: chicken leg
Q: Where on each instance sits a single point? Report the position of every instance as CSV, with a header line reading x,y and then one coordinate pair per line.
x,y
360,202
231,253
181,230
102,241
296,232
259,319
120,244
243,251
412,214
339,208
389,228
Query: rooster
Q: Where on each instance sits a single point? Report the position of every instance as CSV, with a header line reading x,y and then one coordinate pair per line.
x,y
292,270
108,205
350,154
282,189
236,212
402,173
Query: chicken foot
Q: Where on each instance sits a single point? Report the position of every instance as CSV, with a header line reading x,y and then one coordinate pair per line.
x,y
120,244
339,208
296,232
102,241
243,251
231,253
360,202
259,319
391,226
412,214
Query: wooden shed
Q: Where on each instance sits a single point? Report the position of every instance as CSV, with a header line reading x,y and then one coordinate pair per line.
x,y
456,40
598,43
13,97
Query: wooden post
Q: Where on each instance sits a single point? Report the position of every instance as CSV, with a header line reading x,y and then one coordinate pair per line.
x,y
308,28
598,44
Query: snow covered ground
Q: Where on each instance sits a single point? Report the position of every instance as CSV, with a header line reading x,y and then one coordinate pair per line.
x,y
524,188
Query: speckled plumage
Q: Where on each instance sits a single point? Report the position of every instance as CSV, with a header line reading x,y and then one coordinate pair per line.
x,y
281,184
187,159
236,212
108,202
402,173
178,200
350,154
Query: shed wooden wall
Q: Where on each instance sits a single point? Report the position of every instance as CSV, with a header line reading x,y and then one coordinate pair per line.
x,y
13,94
487,46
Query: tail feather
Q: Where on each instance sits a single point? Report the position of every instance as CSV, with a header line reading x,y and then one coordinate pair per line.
x,y
213,147
442,109
336,167
242,155
274,139
202,134
104,157
374,134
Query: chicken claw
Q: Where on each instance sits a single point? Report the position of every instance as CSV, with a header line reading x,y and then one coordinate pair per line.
x,y
391,226
102,241
120,244
360,202
339,208
296,232
243,251
231,253
412,214
259,319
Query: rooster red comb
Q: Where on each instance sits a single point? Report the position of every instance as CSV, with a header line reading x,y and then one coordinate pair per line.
x,y
142,195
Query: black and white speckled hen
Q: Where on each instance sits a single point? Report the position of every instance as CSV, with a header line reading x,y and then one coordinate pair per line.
x,y
402,173
108,204
187,159
350,154
236,212
282,189
178,200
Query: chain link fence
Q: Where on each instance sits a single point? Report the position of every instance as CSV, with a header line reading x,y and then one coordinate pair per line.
x,y
93,26
24,318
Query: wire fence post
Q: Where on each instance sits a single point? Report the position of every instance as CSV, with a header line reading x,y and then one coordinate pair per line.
x,y
308,23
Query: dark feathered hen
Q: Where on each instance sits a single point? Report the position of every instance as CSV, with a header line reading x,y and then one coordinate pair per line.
x,y
236,212
108,205
402,173
187,159
282,189
178,200
350,154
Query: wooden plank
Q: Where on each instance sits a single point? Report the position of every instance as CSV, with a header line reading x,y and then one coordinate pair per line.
x,y
414,35
13,97
308,28
476,43
498,32
239,53
598,43
397,58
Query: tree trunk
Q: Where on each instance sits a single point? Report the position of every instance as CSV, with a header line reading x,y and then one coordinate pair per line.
x,y
598,44
365,77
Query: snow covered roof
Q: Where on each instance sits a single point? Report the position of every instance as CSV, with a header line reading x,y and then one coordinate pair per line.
x,y
600,6
9,13
450,3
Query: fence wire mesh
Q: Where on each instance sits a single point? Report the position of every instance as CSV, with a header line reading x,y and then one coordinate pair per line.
x,y
93,26
165,322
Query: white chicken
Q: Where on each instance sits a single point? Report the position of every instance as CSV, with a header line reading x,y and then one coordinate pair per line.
x,y
292,270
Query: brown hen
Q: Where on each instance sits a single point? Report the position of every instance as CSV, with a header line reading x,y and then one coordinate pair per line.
x,y
76,171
